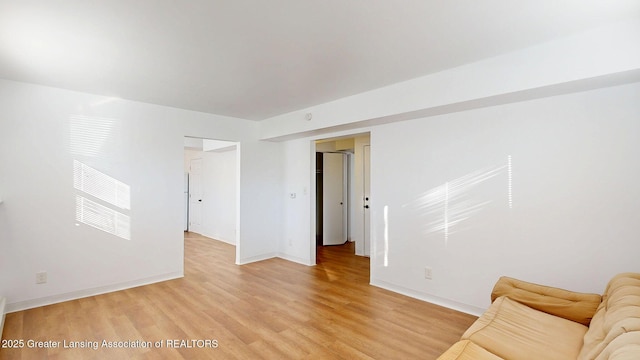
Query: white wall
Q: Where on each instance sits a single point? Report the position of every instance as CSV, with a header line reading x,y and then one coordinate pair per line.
x,y
217,145
141,145
574,221
296,224
193,143
261,200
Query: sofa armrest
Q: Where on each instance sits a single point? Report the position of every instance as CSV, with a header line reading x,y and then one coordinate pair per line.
x,y
578,307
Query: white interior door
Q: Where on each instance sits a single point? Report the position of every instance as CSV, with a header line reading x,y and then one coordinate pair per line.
x,y
195,195
366,161
334,214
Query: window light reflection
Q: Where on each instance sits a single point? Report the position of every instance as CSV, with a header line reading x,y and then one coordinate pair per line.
x,y
96,185
103,218
100,185
450,204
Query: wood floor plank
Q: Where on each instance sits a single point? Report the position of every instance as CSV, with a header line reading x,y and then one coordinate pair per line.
x,y
272,309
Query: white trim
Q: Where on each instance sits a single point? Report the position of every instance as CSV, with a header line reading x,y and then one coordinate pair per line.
x,y
257,258
469,309
217,238
74,295
295,259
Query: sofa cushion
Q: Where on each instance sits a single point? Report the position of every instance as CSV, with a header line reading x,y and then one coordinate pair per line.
x,y
466,350
512,330
571,305
614,332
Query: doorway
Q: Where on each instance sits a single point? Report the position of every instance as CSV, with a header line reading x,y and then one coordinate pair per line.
x,y
212,194
356,191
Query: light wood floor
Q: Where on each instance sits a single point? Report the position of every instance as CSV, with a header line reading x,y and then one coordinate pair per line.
x,y
272,309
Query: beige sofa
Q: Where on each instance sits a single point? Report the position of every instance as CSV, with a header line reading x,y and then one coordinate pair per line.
x,y
530,321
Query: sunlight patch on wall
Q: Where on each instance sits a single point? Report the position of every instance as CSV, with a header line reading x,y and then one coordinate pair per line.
x,y
102,201
102,218
449,205
100,185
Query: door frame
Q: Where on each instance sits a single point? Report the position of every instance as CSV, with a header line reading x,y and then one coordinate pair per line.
x,y
238,182
366,193
312,202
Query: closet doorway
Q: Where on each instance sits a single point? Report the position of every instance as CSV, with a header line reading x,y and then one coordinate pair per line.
x,y
343,198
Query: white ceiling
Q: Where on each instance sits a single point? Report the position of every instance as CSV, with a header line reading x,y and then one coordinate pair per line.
x,y
255,59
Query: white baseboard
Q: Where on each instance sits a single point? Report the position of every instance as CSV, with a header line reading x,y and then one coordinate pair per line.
x,y
268,256
74,295
454,305
256,258
3,303
295,259
217,238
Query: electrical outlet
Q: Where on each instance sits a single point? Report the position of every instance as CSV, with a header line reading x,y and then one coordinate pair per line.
x,y
428,273
41,277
